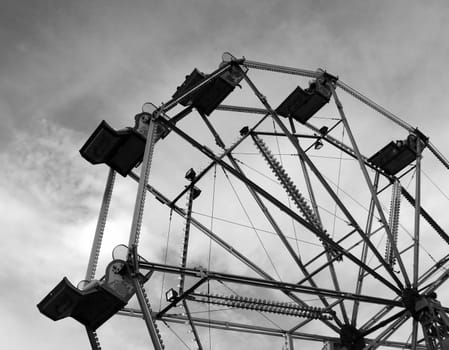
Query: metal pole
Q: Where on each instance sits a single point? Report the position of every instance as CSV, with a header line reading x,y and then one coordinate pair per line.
x,y
374,106
265,283
288,341
369,224
96,244
414,334
281,69
254,329
141,190
417,213
147,315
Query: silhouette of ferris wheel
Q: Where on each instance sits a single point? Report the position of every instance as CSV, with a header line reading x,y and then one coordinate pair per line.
x,y
287,234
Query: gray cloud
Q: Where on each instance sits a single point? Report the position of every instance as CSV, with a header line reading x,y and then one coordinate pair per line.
x,y
67,65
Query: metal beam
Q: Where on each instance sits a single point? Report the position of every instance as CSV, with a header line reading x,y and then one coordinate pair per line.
x,y
395,119
417,214
360,277
281,69
253,329
141,192
263,283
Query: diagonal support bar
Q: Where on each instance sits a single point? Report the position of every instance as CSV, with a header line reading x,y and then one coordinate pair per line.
x,y
147,315
141,192
371,189
264,283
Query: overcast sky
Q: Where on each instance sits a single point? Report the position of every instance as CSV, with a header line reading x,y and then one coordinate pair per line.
x,y
66,65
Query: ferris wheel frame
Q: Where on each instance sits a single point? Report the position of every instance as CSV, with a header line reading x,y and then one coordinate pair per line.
x,y
405,286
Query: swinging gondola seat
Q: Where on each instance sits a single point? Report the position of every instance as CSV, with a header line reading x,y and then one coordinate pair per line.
x,y
208,97
95,304
301,104
90,307
121,149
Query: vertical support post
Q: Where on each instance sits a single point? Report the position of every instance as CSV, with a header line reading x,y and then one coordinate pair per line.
x,y
192,325
135,229
415,334
369,224
185,245
288,341
141,190
417,213
193,193
96,244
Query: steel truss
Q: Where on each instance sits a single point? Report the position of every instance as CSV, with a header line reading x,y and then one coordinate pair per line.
x,y
391,294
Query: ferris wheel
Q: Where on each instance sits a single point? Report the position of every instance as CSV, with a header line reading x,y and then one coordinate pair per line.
x,y
285,210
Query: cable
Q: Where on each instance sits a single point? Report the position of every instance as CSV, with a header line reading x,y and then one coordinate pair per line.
x,y
258,229
257,171
293,155
251,223
338,182
436,186
165,257
277,183
177,336
210,250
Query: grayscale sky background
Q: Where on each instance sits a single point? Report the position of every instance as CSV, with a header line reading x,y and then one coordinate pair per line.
x,y
66,65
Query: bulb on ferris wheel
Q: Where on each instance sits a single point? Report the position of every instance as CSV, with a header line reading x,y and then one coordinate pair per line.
x,y
120,252
227,57
149,108
318,144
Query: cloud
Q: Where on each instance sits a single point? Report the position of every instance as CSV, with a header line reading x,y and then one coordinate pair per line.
x,y
66,66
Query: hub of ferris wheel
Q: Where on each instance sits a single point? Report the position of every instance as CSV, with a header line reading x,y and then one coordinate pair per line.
x,y
94,301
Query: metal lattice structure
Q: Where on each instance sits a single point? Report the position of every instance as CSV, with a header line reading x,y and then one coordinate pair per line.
x,y
278,238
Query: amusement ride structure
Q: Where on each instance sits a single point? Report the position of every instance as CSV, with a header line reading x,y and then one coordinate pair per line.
x,y
304,224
